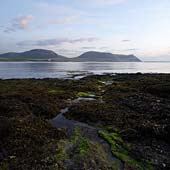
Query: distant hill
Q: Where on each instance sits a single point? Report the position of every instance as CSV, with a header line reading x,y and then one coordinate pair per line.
x,y
36,54
106,57
47,55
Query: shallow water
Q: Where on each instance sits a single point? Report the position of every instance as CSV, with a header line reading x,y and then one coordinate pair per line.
x,y
69,69
60,121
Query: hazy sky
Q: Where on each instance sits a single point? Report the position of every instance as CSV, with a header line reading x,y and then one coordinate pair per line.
x,y
71,27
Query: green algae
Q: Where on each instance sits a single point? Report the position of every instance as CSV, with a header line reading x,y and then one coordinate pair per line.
x,y
84,94
83,143
76,134
4,165
55,91
83,146
25,101
116,137
79,145
60,155
121,152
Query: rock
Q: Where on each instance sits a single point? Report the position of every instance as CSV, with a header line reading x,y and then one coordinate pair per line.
x,y
5,126
158,101
128,134
3,154
164,165
12,157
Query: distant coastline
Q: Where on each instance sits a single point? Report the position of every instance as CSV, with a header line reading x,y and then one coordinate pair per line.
x,y
41,55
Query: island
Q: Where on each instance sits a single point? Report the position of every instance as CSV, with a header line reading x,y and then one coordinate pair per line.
x,y
48,55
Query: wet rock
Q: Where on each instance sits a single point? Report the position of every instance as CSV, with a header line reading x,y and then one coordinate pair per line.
x,y
5,126
136,105
129,134
3,154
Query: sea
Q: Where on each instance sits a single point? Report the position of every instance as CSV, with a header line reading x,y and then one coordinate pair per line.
x,y
19,70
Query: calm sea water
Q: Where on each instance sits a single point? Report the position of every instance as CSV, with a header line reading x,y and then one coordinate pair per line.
x,y
66,69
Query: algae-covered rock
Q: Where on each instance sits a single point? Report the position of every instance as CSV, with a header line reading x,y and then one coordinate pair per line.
x,y
120,150
81,152
134,116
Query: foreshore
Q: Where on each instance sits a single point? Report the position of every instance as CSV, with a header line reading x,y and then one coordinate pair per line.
x,y
106,122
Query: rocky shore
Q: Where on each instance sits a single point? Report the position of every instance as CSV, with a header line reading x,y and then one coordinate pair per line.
x,y
100,122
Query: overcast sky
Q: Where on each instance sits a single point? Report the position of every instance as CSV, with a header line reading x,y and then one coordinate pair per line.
x,y
71,27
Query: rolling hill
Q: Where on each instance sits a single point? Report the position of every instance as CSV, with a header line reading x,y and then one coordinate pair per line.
x,y
106,57
48,55
33,55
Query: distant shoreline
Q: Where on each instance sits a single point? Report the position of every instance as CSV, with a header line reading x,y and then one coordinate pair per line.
x,y
72,61
48,55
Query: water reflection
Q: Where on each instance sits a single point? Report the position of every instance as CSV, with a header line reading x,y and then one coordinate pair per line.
x,y
62,69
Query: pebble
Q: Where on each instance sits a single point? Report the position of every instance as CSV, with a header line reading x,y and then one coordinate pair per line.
x,y
164,165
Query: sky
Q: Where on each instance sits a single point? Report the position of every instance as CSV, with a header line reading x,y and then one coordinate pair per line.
x,y
72,27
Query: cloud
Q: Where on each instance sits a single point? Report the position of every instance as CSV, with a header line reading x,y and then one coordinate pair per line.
x,y
9,30
88,48
103,48
125,40
106,2
70,53
20,23
54,42
63,20
58,14
131,49
111,1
